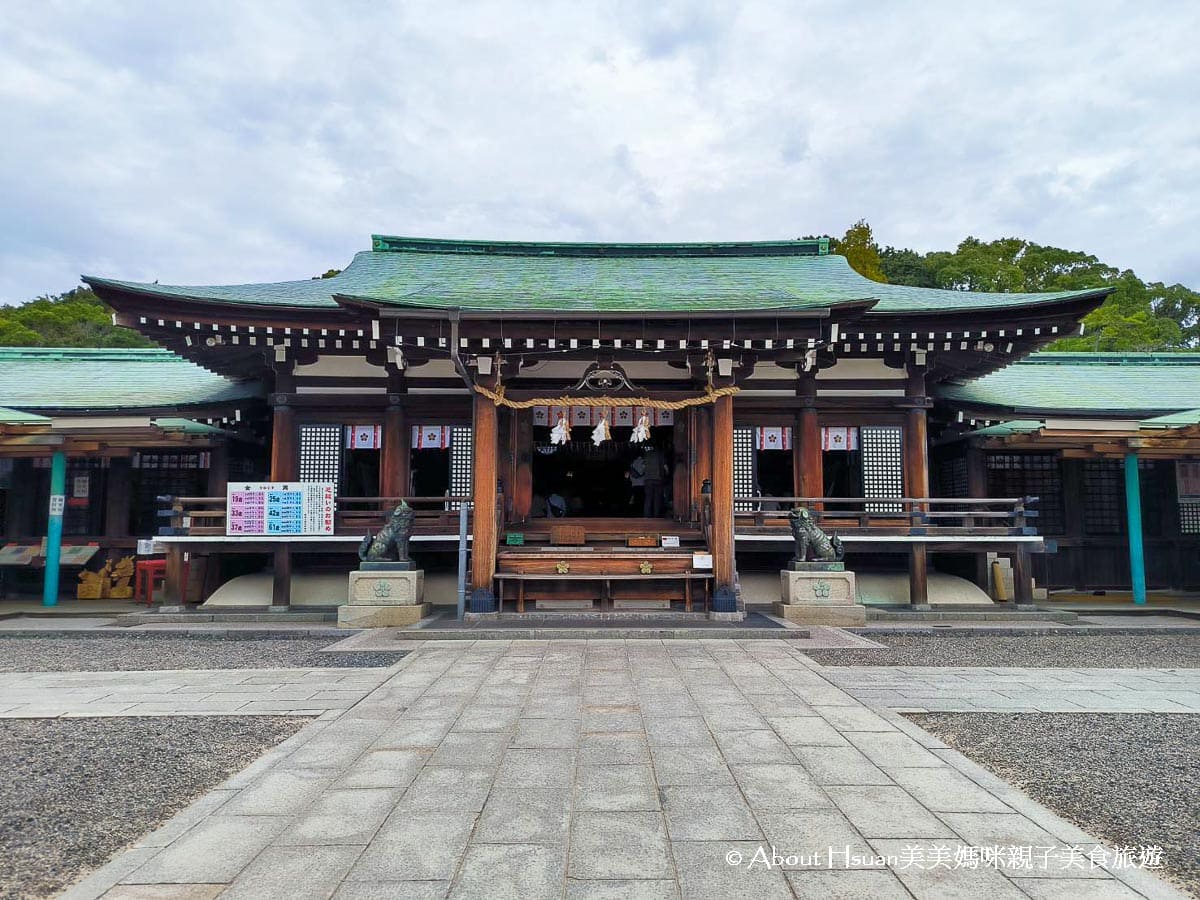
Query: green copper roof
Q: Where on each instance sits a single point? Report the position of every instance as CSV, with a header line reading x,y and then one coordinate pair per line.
x,y
1174,420
33,378
1004,429
1109,383
187,426
17,417
488,275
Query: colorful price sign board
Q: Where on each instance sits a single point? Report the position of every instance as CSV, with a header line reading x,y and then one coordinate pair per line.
x,y
278,507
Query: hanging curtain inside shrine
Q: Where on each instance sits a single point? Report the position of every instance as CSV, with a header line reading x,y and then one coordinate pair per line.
x,y
431,437
773,438
839,437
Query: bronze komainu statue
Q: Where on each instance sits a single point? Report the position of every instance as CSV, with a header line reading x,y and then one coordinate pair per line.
x,y
806,534
391,543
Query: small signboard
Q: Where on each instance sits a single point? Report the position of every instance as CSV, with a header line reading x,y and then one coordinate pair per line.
x,y
702,561
670,540
17,554
280,508
514,539
77,554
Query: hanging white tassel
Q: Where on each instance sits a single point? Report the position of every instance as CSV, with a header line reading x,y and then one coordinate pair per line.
x,y
561,433
641,431
600,433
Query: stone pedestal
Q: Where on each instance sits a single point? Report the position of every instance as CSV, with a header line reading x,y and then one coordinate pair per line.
x,y
819,594
384,598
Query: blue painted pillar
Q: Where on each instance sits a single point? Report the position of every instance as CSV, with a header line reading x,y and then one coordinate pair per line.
x,y
58,502
1133,511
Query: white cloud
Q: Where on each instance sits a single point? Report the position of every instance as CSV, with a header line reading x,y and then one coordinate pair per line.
x,y
227,142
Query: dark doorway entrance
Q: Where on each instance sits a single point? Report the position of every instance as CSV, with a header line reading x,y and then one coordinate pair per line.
x,y
430,472
596,480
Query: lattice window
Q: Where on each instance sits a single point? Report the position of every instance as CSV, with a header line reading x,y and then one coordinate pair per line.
x,y
1103,497
1030,475
743,465
156,460
320,453
952,477
883,464
461,463
1189,516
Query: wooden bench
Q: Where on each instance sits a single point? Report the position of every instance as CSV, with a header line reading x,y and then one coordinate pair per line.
x,y
606,580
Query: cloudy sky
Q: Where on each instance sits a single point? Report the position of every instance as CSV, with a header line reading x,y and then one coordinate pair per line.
x,y
217,142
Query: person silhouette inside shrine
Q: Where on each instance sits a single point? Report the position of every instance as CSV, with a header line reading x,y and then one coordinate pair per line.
x,y
654,474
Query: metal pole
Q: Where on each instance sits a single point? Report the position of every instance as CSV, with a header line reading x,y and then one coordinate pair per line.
x,y
58,502
1133,512
462,559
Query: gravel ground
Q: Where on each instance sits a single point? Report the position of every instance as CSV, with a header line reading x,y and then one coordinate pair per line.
x,y
154,651
79,790
1102,651
1132,780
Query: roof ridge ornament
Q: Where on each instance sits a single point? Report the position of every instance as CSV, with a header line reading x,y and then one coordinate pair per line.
x,y
608,377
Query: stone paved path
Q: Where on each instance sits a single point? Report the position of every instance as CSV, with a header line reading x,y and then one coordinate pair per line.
x,y
184,692
609,769
929,689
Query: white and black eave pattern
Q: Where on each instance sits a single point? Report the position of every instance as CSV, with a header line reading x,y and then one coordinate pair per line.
x,y
882,448
320,453
461,463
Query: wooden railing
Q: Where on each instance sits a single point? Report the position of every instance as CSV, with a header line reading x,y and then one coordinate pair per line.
x,y
354,516
894,515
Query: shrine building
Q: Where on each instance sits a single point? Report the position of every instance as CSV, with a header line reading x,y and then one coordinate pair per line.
x,y
628,424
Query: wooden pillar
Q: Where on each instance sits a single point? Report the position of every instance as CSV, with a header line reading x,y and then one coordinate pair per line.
x,y
281,579
393,475
483,543
722,492
807,461
976,463
701,455
916,479
285,457
681,477
117,497
1073,491
522,477
1022,579
918,576
174,587
218,470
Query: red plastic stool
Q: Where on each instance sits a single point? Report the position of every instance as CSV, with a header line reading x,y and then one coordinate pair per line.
x,y
149,571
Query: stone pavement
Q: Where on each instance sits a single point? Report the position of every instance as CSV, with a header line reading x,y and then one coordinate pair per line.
x,y
184,692
945,689
656,769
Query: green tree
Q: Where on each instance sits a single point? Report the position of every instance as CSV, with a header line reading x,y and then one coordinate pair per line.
x,y
906,267
77,318
859,247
